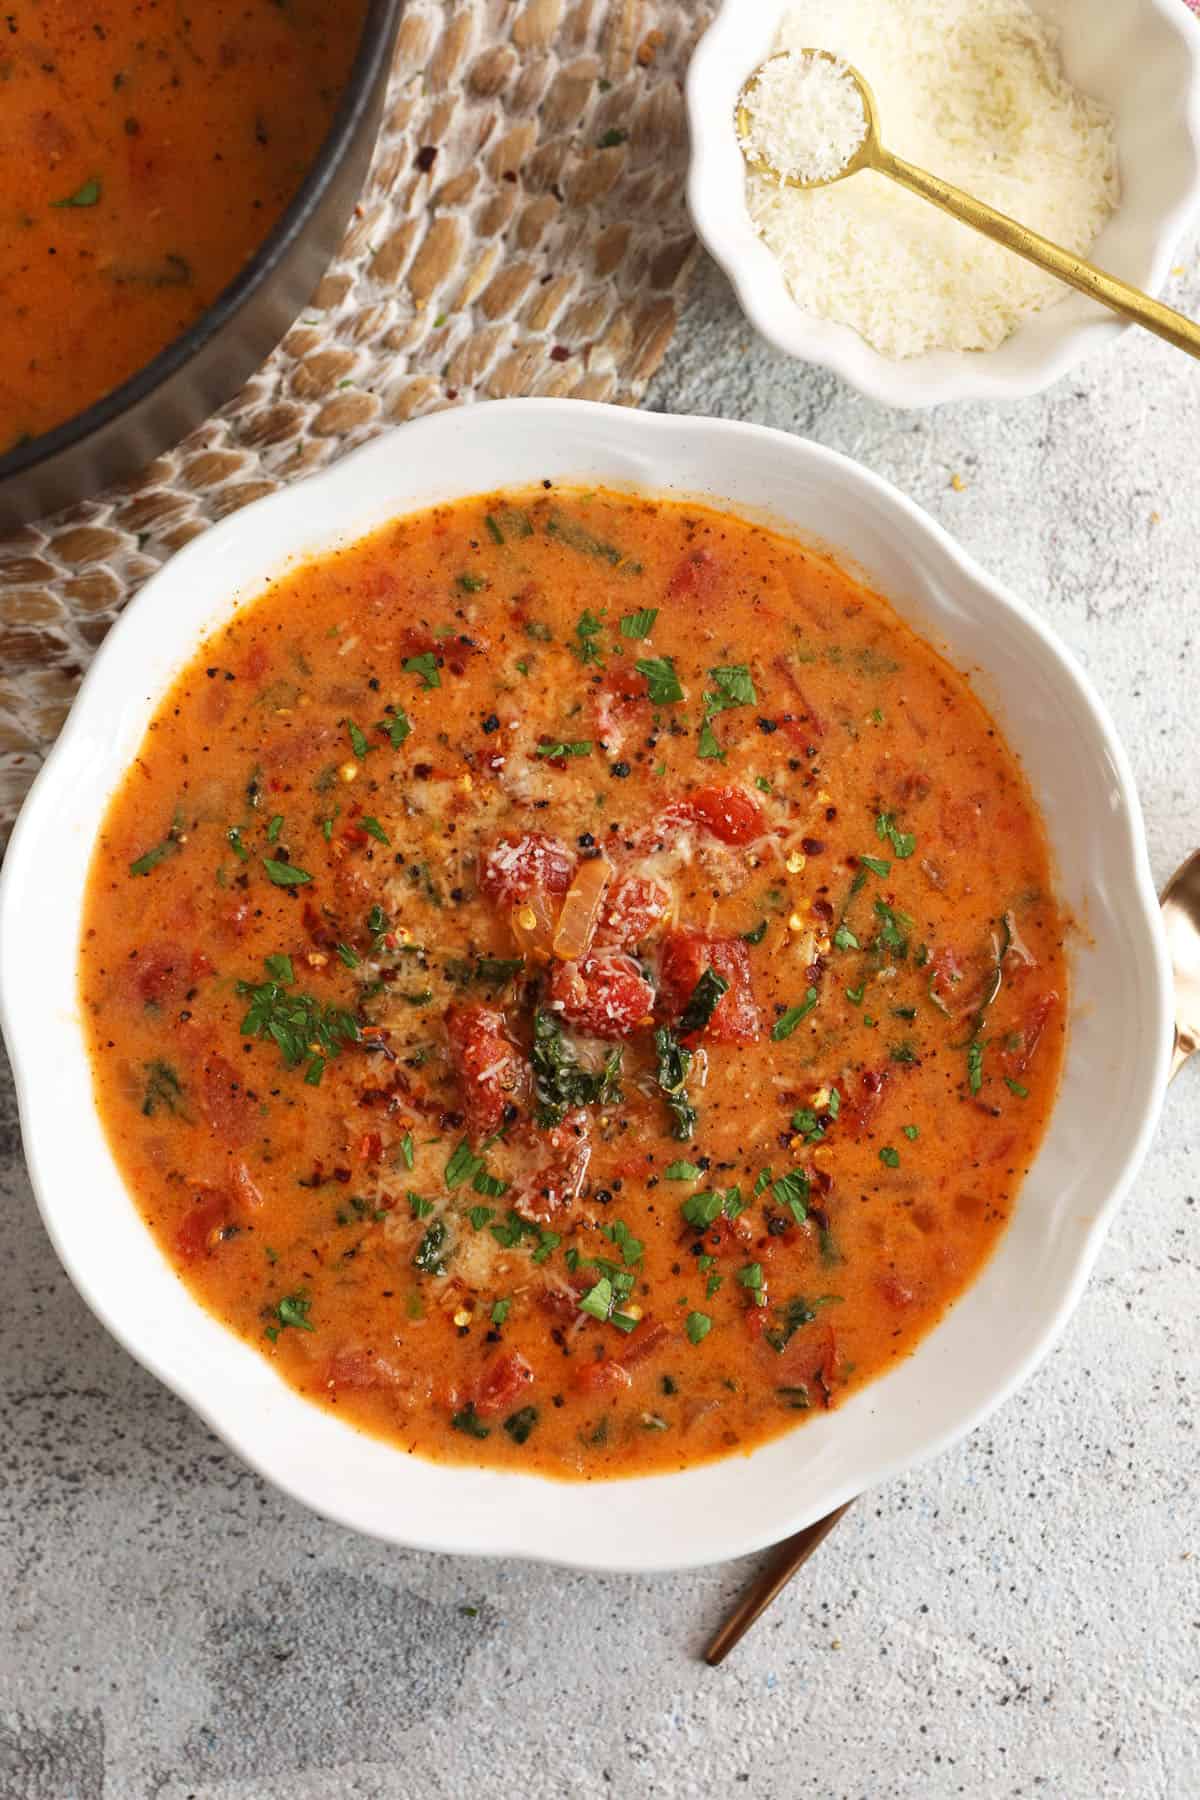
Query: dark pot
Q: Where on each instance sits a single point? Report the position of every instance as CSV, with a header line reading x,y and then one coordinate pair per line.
x,y
204,368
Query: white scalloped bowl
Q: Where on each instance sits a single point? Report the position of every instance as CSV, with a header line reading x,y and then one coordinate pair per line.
x,y
1141,58
1115,1072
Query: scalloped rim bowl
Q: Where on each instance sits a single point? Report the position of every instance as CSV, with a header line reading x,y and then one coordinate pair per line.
x,y
1140,57
1115,1072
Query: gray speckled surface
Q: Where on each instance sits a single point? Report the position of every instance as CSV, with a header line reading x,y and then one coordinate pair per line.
x,y
1022,1618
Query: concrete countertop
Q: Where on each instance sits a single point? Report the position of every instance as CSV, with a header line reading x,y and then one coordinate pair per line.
x,y
1022,1618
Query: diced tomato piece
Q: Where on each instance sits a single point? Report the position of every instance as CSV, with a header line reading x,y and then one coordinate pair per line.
x,y
514,867
504,1379
960,818
606,996
355,1370
650,1336
809,1359
211,1210
1037,1016
695,577
686,955
487,1064
895,1291
597,1377
862,1103
163,973
229,1109
255,663
618,698
632,908
727,1234
727,813
809,724
556,1180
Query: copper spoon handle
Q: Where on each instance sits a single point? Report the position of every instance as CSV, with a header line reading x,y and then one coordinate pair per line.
x,y
788,1557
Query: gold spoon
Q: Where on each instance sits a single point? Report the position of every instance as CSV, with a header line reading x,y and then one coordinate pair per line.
x,y
1181,919
1131,302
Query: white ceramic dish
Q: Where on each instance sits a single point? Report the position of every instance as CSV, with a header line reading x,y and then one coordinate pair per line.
x,y
1116,1064
1140,57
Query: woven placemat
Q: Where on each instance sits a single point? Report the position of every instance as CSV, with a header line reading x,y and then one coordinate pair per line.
x,y
522,231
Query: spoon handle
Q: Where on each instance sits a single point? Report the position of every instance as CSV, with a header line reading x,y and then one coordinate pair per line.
x,y
1131,302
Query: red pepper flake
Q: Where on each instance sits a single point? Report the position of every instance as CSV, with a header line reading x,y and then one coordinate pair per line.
x,y
560,353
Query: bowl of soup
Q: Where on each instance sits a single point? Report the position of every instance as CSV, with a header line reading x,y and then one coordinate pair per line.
x,y
605,979
172,187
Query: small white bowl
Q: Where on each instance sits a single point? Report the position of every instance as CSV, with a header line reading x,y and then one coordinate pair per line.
x,y
1141,58
1113,1081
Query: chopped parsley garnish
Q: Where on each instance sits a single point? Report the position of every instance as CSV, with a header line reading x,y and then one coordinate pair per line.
x,y
791,1190
274,828
419,1206
911,1132
674,1066
784,1027
893,929
407,1150
702,1003
358,742
890,1157
500,1311
662,682
1015,1087
468,1420
479,1217
587,629
579,747
296,1022
855,995
432,1250
844,939
163,1088
638,625
707,747
757,935
234,838
293,1310
598,1301
397,725
682,1171
701,1209
901,841
697,1325
462,1166
425,666
171,845
876,864
285,874
559,1082
279,968
87,195
975,1064
345,954
734,687
751,1277
903,1052
374,829
519,1424
576,537
471,583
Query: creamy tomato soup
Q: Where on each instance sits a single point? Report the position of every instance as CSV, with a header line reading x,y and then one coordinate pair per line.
x,y
574,981
146,151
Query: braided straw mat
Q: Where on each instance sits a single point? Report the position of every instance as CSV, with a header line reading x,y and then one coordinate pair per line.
x,y
522,232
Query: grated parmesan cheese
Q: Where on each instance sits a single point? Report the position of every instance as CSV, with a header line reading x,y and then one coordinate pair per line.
x,y
804,117
974,91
